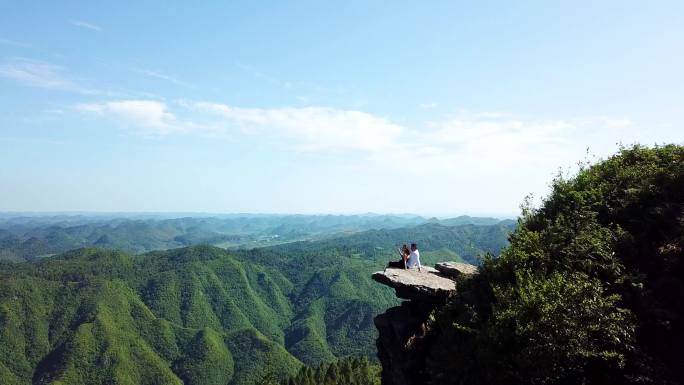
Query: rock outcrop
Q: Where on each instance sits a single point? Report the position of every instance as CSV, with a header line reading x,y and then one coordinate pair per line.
x,y
402,329
428,285
400,349
455,269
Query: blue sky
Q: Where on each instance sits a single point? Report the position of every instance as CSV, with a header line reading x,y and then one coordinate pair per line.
x,y
320,107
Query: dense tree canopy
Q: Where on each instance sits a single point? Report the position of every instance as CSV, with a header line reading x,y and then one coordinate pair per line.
x,y
347,371
590,290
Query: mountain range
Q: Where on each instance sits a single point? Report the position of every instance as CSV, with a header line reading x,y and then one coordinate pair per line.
x,y
25,237
203,314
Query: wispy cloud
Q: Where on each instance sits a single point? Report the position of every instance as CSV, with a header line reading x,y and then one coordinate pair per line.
x,y
307,90
38,74
258,74
163,76
467,144
151,116
618,123
427,106
484,143
13,43
86,25
312,128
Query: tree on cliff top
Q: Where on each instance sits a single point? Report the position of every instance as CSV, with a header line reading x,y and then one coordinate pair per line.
x,y
590,290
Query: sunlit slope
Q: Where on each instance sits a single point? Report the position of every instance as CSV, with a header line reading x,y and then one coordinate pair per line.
x,y
201,315
194,315
88,316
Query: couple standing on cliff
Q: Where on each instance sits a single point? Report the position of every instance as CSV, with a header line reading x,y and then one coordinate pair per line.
x,y
409,259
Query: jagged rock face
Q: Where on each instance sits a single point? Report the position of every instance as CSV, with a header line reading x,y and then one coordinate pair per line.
x,y
428,285
399,343
456,269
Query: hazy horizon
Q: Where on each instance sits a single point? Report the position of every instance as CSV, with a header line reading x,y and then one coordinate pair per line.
x,y
173,215
311,107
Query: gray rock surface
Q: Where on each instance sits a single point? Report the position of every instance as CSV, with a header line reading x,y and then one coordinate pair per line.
x,y
455,269
428,285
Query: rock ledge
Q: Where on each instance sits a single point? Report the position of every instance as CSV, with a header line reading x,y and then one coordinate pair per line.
x,y
456,269
403,340
428,285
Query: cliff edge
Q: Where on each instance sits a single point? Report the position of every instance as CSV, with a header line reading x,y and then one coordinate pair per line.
x,y
401,329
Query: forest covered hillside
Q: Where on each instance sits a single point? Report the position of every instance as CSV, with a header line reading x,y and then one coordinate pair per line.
x,y
590,290
202,314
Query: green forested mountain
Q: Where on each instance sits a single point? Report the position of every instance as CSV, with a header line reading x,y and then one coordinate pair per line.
x,y
437,242
94,316
202,315
590,290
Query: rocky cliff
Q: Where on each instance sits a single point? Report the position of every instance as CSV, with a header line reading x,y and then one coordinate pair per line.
x,y
402,329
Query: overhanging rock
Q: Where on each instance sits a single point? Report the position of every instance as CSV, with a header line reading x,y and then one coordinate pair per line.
x,y
402,330
428,285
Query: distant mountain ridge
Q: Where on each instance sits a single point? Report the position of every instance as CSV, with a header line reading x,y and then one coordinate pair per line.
x,y
28,237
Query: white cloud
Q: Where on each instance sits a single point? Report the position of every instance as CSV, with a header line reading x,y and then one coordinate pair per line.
x,y
39,74
486,161
86,25
315,128
494,144
305,128
151,116
509,135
